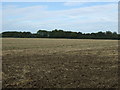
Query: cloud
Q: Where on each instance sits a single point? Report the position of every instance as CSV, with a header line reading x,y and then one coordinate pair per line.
x,y
60,0
40,17
74,3
0,17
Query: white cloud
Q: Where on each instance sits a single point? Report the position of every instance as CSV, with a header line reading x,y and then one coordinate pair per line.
x,y
60,0
14,9
0,17
74,3
38,17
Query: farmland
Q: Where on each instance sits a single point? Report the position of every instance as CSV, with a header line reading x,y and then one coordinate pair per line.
x,y
59,63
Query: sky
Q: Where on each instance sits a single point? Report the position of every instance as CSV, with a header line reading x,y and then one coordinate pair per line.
x,y
69,16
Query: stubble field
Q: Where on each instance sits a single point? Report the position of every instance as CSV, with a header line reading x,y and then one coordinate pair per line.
x,y
59,63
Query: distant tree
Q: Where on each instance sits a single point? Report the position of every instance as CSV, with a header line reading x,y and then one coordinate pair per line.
x,y
43,33
62,34
108,33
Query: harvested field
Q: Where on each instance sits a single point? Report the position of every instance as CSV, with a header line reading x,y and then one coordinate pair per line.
x,y
59,63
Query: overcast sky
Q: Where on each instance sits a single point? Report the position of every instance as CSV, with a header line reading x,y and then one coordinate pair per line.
x,y
75,16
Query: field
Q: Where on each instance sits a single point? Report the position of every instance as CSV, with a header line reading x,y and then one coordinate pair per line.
x,y
59,63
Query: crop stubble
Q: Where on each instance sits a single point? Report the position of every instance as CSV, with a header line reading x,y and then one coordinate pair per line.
x,y
59,63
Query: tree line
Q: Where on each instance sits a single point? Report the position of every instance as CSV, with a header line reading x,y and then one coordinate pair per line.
x,y
61,34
